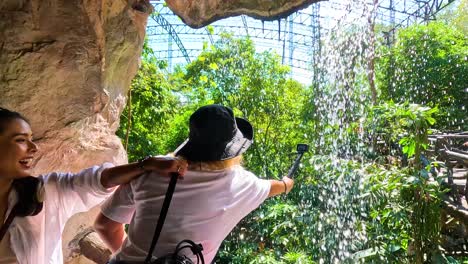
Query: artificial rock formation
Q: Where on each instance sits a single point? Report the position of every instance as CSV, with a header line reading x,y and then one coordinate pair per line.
x,y
67,66
199,13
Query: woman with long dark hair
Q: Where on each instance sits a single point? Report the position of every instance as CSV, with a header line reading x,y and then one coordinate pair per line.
x,y
51,199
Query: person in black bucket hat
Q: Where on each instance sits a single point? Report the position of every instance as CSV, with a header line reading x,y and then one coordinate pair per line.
x,y
215,134
213,197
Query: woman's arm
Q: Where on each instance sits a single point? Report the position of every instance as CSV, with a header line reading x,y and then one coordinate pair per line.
x,y
279,187
117,210
122,174
111,232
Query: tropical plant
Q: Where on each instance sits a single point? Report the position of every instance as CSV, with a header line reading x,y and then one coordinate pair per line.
x,y
427,65
418,202
152,103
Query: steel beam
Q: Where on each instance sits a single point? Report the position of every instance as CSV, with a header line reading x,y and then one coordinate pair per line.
x,y
170,30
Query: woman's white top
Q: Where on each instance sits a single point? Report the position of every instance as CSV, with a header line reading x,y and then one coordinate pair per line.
x,y
38,239
205,207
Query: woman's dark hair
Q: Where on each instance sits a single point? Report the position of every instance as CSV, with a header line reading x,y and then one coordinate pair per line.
x,y
6,116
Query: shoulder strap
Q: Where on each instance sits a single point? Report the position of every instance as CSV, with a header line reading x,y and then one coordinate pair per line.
x,y
162,215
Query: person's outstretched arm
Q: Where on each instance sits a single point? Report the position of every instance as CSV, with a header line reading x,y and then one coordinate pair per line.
x,y
122,174
111,232
116,211
280,187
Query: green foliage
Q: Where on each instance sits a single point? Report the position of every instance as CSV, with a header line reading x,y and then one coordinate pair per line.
x,y
406,123
410,220
394,211
151,105
460,18
427,65
389,220
257,87
456,15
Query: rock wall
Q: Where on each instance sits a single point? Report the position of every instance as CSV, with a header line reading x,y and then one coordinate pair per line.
x,y
67,65
199,13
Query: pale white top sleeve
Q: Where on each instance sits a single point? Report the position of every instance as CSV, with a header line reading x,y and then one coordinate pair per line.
x,y
38,239
251,192
120,207
78,192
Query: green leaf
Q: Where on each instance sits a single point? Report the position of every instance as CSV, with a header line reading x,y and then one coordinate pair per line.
x,y
213,66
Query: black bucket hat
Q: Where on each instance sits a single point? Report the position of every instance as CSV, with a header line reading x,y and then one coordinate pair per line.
x,y
215,134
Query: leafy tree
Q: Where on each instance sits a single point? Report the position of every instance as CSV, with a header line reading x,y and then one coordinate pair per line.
x,y
460,19
456,14
416,197
427,65
257,87
152,104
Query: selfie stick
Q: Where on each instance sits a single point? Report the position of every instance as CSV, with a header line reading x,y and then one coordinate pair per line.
x,y
301,149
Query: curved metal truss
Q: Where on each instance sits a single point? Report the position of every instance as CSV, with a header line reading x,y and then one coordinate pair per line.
x,y
296,38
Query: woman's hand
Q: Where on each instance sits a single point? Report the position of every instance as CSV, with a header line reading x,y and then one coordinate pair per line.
x,y
283,186
123,174
165,165
289,183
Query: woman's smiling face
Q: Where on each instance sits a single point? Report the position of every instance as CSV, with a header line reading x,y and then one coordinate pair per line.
x,y
17,149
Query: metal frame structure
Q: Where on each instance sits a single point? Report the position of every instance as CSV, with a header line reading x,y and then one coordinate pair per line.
x,y
411,11
297,38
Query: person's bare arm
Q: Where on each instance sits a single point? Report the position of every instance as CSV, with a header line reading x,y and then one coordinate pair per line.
x,y
122,174
111,232
279,187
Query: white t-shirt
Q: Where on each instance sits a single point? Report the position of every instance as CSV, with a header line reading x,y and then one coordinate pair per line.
x,y
38,239
205,207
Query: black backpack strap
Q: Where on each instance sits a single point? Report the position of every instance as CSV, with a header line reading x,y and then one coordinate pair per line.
x,y
195,248
162,215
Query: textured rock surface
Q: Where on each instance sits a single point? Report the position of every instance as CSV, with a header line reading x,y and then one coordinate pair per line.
x,y
67,66
199,13
90,247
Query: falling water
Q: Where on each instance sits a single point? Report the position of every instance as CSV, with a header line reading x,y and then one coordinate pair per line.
x,y
342,94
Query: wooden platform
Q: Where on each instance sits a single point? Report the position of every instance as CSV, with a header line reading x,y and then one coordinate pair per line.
x,y
459,211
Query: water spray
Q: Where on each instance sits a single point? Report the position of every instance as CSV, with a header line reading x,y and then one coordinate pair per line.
x,y
301,149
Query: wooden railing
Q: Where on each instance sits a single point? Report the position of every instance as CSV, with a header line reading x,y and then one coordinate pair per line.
x,y
449,148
